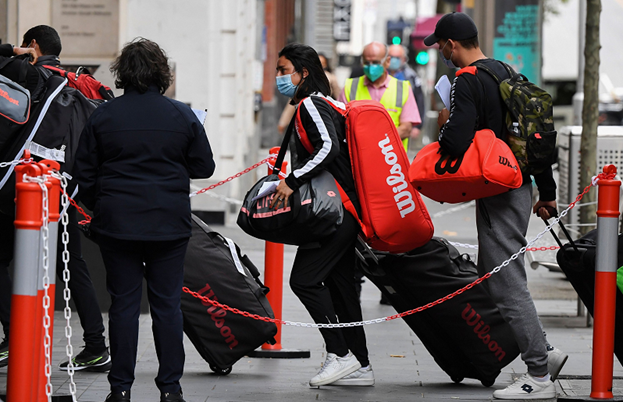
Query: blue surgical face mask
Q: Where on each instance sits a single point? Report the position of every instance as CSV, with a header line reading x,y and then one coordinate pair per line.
x,y
285,85
395,63
448,62
373,71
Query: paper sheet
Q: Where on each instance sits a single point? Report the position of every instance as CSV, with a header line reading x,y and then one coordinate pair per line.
x,y
268,187
201,115
443,88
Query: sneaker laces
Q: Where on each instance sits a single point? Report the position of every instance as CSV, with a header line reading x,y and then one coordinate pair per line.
x,y
326,363
520,381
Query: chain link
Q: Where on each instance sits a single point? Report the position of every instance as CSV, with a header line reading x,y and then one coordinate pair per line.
x,y
415,310
16,162
45,236
230,178
66,291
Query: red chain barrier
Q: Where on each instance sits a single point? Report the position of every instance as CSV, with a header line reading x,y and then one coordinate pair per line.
x,y
543,248
220,183
408,312
87,218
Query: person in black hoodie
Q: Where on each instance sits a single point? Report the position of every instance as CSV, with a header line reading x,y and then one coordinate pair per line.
x,y
43,44
135,159
323,277
501,220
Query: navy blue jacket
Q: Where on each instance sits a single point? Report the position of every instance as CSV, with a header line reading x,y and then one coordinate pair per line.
x,y
136,156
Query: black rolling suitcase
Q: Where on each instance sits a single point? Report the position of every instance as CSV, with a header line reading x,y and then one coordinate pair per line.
x,y
215,268
577,261
466,335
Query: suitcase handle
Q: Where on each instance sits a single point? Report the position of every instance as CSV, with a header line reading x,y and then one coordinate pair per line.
x,y
553,212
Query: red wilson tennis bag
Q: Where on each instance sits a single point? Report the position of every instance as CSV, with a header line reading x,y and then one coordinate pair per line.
x,y
487,168
393,215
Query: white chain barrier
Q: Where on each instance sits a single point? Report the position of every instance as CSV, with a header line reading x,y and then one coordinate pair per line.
x,y
383,319
15,162
45,235
66,291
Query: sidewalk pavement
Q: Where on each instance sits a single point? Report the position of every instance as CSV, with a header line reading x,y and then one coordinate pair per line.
x,y
404,370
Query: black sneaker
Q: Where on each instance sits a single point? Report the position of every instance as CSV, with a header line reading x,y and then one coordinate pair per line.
x,y
120,397
171,397
88,361
4,353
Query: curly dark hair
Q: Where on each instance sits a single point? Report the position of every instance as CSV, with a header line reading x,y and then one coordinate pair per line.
x,y
142,63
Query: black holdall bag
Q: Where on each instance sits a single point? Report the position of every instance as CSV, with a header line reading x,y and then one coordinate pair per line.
x,y
314,211
466,335
215,268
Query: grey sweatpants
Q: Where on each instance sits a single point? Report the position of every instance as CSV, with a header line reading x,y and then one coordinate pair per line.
x,y
502,223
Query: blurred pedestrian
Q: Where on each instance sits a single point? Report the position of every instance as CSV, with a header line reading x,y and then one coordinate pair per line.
x,y
323,275
501,220
400,69
376,84
134,163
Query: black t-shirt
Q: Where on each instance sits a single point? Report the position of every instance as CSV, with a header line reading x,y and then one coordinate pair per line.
x,y
475,104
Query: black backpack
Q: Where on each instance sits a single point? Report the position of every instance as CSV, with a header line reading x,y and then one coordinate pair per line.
x,y
529,120
52,132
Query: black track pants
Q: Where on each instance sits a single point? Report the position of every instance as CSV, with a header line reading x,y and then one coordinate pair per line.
x,y
323,279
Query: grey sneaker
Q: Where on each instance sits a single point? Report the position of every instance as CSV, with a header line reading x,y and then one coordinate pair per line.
x,y
526,387
556,358
364,377
335,368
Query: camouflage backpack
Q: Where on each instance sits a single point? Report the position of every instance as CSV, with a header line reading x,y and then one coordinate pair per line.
x,y
529,119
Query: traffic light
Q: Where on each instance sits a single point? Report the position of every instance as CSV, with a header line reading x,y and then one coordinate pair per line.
x,y
396,31
422,57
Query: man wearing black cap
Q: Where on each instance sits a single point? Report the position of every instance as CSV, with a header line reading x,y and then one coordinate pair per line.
x,y
501,220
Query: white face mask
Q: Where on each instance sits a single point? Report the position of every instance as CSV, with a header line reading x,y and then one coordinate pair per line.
x,y
448,62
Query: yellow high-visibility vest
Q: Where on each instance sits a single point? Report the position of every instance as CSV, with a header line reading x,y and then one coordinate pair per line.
x,y
393,99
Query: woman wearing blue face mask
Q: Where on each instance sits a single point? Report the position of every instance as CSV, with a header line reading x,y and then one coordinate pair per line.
x,y
323,274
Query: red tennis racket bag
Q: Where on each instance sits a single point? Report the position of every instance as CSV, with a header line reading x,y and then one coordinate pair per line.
x,y
393,215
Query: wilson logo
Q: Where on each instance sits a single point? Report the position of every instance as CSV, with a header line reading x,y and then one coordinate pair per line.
x,y
6,96
396,179
505,162
481,329
218,316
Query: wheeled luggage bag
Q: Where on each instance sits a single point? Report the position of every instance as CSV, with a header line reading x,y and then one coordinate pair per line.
x,y
577,261
215,268
466,335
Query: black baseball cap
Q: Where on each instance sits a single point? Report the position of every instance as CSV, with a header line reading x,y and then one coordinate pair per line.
x,y
457,26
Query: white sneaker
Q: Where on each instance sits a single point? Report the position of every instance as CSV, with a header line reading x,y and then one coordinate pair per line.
x,y
526,387
364,377
556,358
335,368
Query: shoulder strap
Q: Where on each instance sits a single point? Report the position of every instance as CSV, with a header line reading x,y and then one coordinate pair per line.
x,y
284,146
353,88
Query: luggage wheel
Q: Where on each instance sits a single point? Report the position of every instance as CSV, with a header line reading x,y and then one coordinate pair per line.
x,y
487,383
457,379
220,371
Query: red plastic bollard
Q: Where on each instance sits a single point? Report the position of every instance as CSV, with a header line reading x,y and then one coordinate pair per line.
x,y
28,223
605,286
273,271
